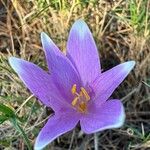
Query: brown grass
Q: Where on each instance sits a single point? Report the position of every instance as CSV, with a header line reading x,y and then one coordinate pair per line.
x,y
117,39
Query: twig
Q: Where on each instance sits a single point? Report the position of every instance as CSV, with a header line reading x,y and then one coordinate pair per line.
x,y
72,138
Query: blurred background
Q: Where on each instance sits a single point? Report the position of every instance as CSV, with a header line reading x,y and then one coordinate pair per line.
x,y
121,29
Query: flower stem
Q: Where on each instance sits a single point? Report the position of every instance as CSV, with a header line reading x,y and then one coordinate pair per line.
x,y
95,141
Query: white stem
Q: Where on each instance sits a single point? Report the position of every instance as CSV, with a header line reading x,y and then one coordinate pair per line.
x,y
95,141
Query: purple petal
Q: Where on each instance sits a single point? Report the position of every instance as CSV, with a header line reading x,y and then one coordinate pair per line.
x,y
38,82
56,126
109,115
62,71
108,81
82,51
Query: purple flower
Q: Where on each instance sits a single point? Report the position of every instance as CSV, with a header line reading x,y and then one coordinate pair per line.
x,y
75,88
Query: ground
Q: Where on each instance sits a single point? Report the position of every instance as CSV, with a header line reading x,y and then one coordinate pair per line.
x,y
121,30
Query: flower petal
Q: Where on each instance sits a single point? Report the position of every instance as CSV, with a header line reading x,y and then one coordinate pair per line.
x,y
108,81
110,115
56,126
82,52
62,71
38,82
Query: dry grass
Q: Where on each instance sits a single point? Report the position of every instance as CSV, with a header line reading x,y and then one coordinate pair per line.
x,y
121,34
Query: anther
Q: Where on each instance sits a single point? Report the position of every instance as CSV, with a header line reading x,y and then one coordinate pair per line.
x,y
82,107
75,100
74,89
85,94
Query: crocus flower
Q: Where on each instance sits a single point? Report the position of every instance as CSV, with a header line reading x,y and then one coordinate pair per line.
x,y
75,88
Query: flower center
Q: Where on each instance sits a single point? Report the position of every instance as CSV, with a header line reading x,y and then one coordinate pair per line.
x,y
80,99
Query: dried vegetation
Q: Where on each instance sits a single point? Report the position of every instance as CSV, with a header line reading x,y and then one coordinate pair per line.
x,y
122,32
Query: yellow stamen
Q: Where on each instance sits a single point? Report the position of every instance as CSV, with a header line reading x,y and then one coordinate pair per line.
x,y
81,99
74,89
75,100
87,97
81,94
82,107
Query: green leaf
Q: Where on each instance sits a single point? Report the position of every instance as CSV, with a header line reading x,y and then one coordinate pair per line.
x,y
3,118
4,143
8,112
19,129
